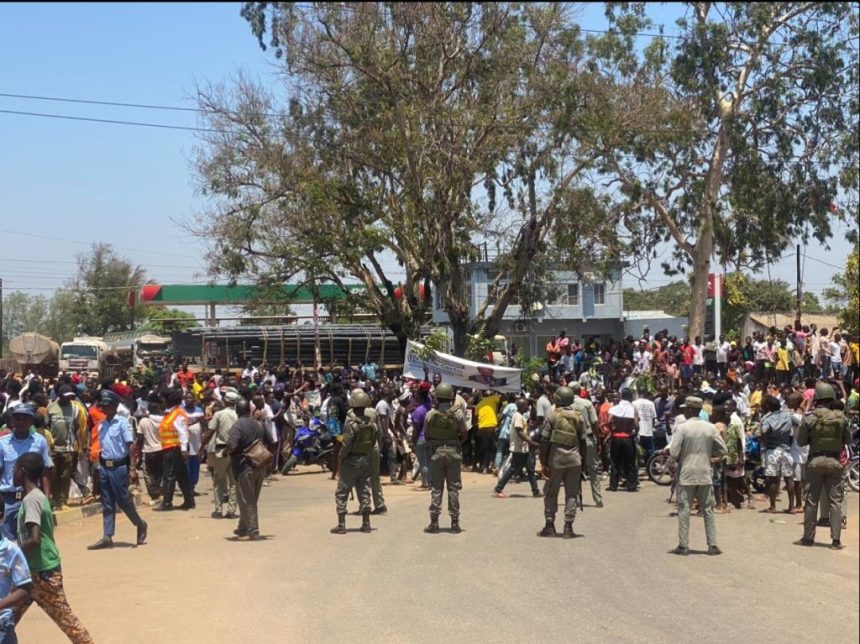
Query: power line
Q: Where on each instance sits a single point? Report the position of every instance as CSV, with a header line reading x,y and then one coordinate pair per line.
x,y
69,261
821,261
87,101
90,243
112,121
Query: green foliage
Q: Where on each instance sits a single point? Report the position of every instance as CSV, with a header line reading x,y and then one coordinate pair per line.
x,y
731,139
395,115
21,313
532,371
101,287
163,320
745,295
52,317
845,293
435,341
478,347
646,382
673,298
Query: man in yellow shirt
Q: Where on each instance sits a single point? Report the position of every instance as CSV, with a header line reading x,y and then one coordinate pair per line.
x,y
487,410
782,368
755,398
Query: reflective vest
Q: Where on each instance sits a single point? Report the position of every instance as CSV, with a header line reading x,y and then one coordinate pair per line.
x,y
167,433
826,434
565,427
365,437
442,426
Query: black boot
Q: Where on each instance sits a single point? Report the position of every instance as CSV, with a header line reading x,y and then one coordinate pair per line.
x,y
455,526
433,528
568,530
340,528
365,522
548,530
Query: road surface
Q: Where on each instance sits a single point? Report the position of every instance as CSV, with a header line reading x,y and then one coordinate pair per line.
x,y
496,582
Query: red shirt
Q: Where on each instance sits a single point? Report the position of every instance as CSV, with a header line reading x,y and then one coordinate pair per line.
x,y
687,355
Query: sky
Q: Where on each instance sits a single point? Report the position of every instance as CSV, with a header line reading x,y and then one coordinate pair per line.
x,y
66,183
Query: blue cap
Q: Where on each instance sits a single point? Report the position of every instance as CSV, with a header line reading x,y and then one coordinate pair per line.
x,y
109,398
23,410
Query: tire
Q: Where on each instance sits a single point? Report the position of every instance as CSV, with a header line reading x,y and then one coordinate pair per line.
x,y
854,476
290,464
658,469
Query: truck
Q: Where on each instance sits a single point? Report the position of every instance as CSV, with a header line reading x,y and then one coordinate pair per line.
x,y
135,351
35,352
83,354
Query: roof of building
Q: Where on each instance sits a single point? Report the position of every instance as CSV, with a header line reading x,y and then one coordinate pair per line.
x,y
647,315
782,320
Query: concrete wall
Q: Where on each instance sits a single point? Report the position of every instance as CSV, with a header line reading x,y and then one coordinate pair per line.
x,y
675,326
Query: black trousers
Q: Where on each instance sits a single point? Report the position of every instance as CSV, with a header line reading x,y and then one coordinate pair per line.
x,y
623,453
175,470
486,448
153,472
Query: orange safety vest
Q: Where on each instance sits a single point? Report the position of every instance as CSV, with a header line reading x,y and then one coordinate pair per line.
x,y
167,433
96,417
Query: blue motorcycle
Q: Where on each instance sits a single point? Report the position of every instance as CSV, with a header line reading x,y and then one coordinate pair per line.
x,y
313,445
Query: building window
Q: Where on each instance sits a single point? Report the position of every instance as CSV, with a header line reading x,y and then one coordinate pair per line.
x,y
573,294
600,293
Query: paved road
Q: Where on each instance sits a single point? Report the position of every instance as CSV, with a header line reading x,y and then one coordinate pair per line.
x,y
496,582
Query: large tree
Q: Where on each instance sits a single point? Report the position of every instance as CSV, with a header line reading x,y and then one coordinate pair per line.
x,y
413,133
164,320
101,289
732,137
845,292
22,312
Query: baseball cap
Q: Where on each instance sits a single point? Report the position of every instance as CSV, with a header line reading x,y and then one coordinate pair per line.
x,y
23,410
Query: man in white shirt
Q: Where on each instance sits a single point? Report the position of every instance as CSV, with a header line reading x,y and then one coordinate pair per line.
x,y
723,349
622,448
836,356
698,356
385,425
647,413
250,372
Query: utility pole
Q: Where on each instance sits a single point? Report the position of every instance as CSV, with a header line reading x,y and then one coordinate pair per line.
x,y
797,303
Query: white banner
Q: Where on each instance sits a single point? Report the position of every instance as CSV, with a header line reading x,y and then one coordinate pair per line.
x,y
459,372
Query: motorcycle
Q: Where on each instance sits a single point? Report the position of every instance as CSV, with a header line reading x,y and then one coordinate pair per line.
x,y
313,445
754,466
853,476
661,468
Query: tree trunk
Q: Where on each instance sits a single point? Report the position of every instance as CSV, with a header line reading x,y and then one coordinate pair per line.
x,y
702,252
459,330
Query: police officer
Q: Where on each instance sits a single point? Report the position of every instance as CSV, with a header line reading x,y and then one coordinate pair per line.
x,y
592,457
115,439
445,431
354,461
23,439
826,432
561,462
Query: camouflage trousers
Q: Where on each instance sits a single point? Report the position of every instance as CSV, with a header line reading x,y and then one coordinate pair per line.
x,y
571,478
445,465
353,473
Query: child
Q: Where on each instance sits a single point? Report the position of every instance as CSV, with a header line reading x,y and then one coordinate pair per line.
x,y
36,536
15,586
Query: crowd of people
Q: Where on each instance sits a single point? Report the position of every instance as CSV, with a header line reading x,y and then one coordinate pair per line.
x,y
595,413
